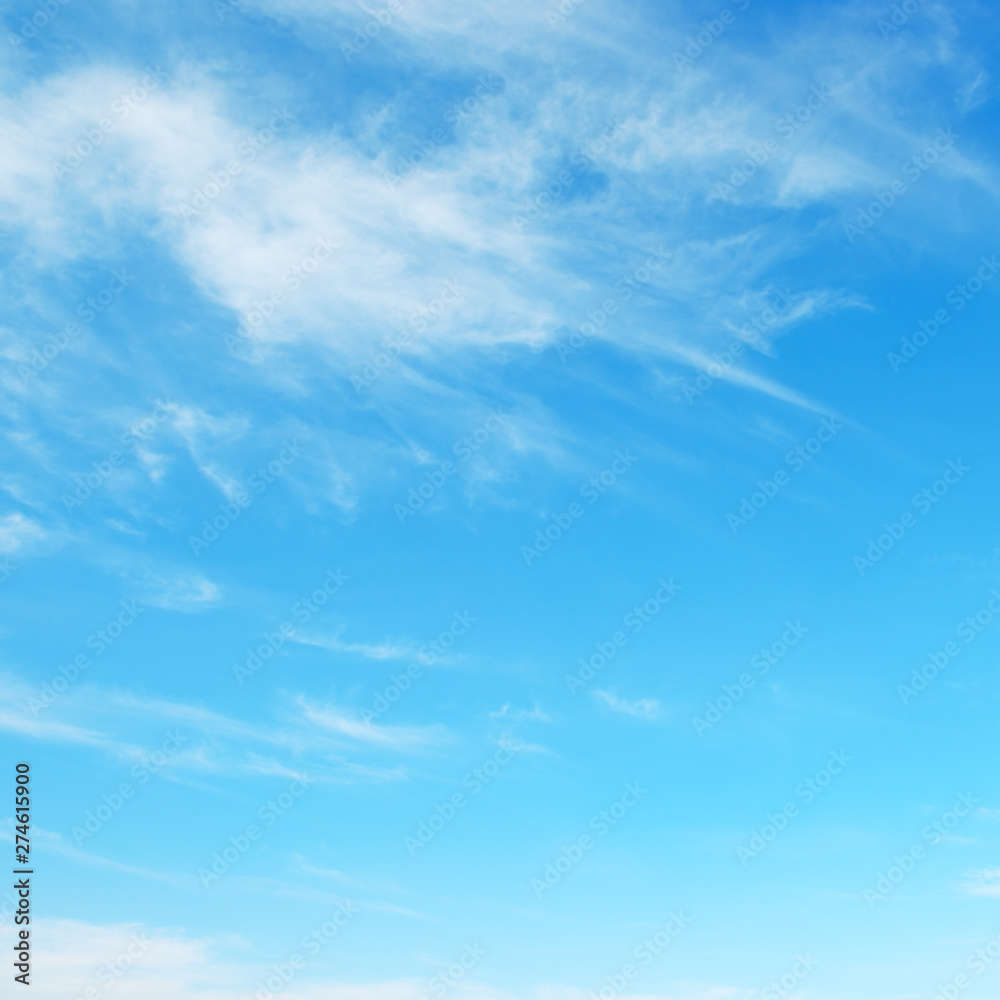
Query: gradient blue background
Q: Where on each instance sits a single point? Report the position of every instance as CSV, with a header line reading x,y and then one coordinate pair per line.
x,y
525,291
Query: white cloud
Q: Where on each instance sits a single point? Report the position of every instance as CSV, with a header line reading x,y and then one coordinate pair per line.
x,y
161,965
397,246
985,882
18,531
324,742
164,964
643,708
55,843
812,177
396,737
536,714
386,650
191,592
49,730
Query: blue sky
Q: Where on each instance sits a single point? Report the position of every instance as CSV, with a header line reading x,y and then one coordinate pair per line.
x,y
499,500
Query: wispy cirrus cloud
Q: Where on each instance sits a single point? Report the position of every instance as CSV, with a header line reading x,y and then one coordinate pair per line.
x,y
642,708
389,649
18,532
334,720
325,742
984,882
